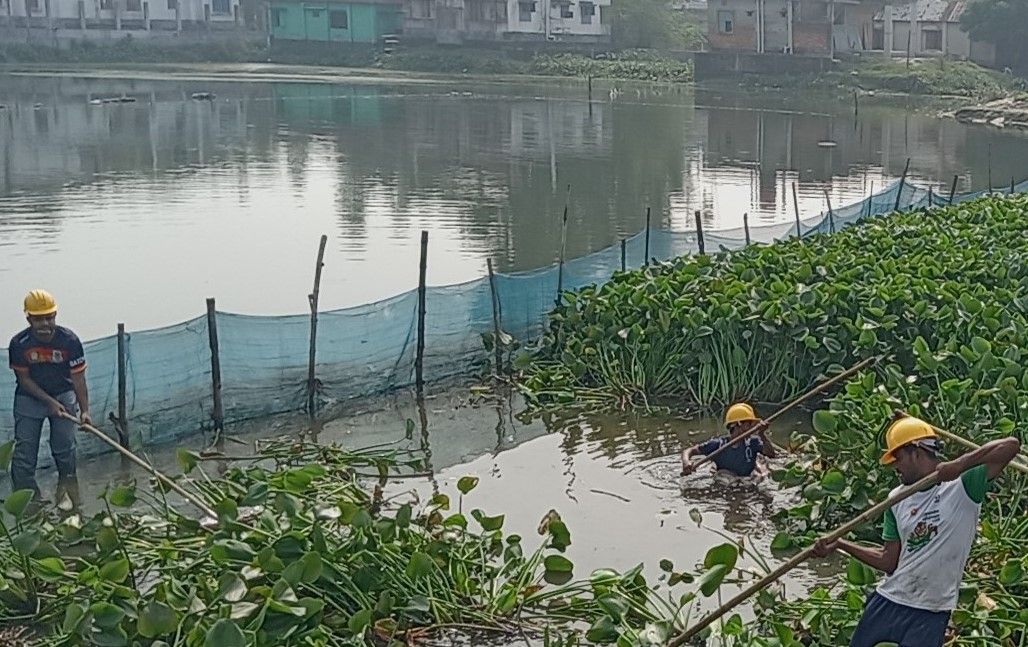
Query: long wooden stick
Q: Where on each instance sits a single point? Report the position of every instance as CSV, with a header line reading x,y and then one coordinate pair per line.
x,y
763,424
948,435
192,498
801,557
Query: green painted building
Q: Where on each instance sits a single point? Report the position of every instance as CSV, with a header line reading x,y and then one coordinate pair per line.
x,y
343,22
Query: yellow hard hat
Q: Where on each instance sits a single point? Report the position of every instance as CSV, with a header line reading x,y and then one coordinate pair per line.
x,y
741,412
40,302
903,432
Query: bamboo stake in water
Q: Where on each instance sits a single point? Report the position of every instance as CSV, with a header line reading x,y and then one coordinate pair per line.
x,y
763,424
646,247
188,496
746,227
563,249
312,299
953,189
1020,467
831,214
803,556
796,208
903,181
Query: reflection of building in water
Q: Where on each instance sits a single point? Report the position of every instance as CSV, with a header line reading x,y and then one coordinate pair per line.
x,y
536,125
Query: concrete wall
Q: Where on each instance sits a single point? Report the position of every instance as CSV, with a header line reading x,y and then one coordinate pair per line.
x,y
724,63
365,23
955,42
811,29
135,12
554,20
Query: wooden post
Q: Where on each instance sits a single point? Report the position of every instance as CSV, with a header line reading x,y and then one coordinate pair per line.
x,y
831,214
117,14
218,414
623,245
870,198
312,299
590,81
856,106
178,16
122,425
419,359
646,248
953,189
82,14
496,318
146,15
699,232
931,197
563,248
746,227
903,181
796,209
1011,185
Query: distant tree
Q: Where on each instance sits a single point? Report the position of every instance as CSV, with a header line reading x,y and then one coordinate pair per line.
x,y
1001,22
653,24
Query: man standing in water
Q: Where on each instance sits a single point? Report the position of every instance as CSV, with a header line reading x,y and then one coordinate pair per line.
x,y
50,365
927,537
741,458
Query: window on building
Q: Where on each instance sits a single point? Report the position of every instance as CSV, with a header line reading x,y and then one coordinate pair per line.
x,y
932,40
172,4
565,9
223,7
525,11
339,19
814,11
840,14
725,21
33,6
878,38
104,4
588,10
501,10
278,17
475,10
133,5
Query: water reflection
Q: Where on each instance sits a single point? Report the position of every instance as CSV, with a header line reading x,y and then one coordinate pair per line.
x,y
174,199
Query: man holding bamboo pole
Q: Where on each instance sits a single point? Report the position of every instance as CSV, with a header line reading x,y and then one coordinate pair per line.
x,y
740,458
927,536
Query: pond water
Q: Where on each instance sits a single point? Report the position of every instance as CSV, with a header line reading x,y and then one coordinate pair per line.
x,y
136,212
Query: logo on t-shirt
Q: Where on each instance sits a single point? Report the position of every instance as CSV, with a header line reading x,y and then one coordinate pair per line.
x,y
41,355
924,532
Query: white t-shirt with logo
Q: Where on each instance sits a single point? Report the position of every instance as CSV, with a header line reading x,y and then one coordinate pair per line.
x,y
936,528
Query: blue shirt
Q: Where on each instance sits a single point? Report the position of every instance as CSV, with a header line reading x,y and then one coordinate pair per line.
x,y
740,458
49,364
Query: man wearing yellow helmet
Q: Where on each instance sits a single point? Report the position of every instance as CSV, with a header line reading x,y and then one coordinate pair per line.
x,y
741,458
927,537
51,368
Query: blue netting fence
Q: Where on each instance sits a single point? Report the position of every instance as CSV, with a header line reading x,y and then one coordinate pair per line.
x,y
370,349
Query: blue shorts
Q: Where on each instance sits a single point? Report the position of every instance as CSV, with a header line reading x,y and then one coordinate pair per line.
x,y
885,621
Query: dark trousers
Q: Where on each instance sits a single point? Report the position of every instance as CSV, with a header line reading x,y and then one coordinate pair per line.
x,y
885,621
29,414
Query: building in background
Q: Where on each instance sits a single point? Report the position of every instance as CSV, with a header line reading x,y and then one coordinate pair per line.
x,y
934,32
367,21
459,21
810,27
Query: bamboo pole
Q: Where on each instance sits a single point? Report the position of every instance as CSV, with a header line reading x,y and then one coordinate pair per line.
x,y
122,426
763,424
646,250
496,317
312,298
953,189
218,414
699,233
948,435
831,214
419,357
870,197
746,227
623,245
1011,185
188,496
796,209
775,575
903,181
563,250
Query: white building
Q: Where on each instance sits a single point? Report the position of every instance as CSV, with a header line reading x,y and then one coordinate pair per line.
x,y
97,18
580,20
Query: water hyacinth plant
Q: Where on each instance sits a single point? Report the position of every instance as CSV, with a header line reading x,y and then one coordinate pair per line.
x,y
765,322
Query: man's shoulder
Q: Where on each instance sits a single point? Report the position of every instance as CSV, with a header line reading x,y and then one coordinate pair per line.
x,y
66,334
23,338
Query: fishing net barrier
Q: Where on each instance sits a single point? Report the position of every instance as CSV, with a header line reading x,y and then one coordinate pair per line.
x,y
370,349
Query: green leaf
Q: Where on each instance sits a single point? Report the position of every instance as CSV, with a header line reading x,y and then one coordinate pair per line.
x,y
667,565
227,511
560,536
27,542
187,460
6,453
112,637
1012,573
733,626
825,421
115,571
558,564
602,631
783,541
17,502
403,516
419,566
419,603
106,615
231,587
157,619
711,580
73,616
225,633
123,496
833,481
359,622
313,567
51,569
489,524
467,484
696,516
858,574
232,550
724,554
613,605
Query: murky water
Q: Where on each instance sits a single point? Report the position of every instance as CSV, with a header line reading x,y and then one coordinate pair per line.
x,y
136,212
